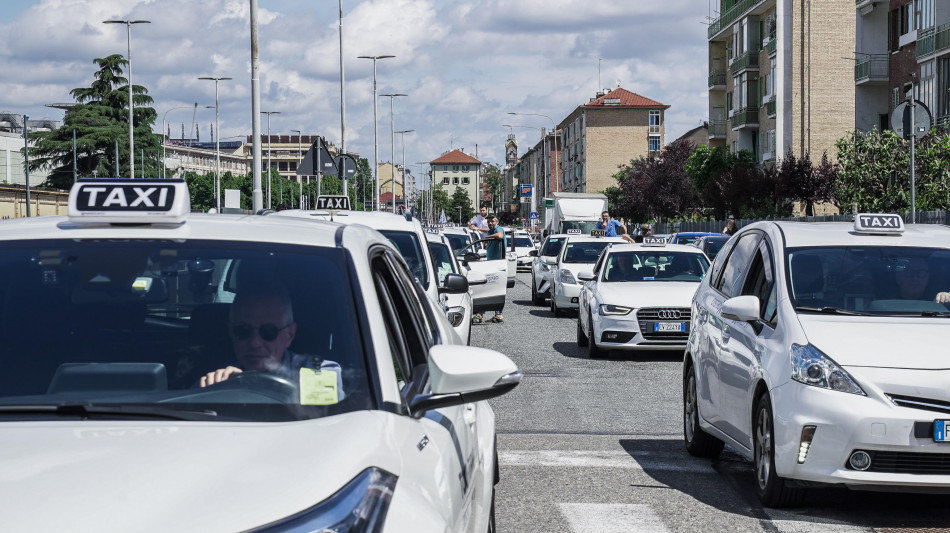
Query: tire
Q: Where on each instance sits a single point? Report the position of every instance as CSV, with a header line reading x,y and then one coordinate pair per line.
x,y
593,352
773,491
554,310
698,442
491,513
582,339
536,299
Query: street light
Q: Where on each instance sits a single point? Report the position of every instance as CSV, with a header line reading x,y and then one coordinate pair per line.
x,y
269,113
460,214
375,130
128,26
26,161
217,140
299,178
164,141
405,195
392,139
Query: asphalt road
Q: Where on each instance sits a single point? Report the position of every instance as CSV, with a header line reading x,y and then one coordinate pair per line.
x,y
596,446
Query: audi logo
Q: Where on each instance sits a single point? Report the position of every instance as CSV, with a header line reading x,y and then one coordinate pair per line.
x,y
668,314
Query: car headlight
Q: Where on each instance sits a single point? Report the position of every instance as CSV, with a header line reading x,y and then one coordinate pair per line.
x,y
812,367
565,276
607,310
455,315
359,507
544,266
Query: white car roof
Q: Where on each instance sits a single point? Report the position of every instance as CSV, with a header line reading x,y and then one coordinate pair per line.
x,y
577,238
629,247
797,234
374,219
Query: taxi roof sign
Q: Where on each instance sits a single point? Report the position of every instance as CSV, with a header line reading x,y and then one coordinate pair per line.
x,y
573,231
340,202
654,241
598,233
129,201
878,224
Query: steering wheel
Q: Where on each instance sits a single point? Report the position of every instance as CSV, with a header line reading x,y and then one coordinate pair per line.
x,y
265,383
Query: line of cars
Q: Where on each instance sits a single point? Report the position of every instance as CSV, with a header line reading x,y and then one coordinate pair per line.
x,y
366,413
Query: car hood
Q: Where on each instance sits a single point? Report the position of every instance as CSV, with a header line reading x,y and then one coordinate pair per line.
x,y
182,476
639,294
880,342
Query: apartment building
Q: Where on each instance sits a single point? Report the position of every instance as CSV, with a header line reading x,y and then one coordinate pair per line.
x,y
611,129
901,45
538,166
200,158
780,76
456,169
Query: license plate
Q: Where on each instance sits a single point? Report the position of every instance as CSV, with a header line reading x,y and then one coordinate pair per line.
x,y
669,326
491,278
940,430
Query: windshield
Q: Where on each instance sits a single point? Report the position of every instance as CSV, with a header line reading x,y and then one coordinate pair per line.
x,y
523,242
713,247
881,280
686,239
407,243
655,266
441,260
457,241
120,326
584,226
584,251
552,246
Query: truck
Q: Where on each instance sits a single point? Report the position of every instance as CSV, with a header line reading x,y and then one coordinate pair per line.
x,y
574,211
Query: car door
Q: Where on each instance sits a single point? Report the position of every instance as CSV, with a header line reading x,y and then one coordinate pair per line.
x,y
733,359
741,358
588,301
439,449
491,295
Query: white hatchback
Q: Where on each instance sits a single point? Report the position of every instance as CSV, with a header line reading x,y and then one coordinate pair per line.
x,y
579,253
815,352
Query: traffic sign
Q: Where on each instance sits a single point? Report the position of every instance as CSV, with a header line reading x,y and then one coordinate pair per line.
x,y
549,203
345,165
525,189
900,120
534,215
309,163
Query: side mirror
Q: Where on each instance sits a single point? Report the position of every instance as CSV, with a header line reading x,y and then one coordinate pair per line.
x,y
586,275
472,256
551,261
454,284
476,278
741,308
464,374
533,253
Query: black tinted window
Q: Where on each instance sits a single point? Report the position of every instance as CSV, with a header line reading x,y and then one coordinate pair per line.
x,y
737,263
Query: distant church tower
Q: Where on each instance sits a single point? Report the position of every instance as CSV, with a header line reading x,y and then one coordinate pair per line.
x,y
511,151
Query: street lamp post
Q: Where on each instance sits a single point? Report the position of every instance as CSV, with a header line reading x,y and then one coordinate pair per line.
x,y
375,130
299,178
405,195
392,140
128,27
217,140
269,113
460,214
164,140
26,161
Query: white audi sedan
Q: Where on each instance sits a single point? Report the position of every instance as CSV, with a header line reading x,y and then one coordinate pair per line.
x,y
579,253
170,371
637,297
815,351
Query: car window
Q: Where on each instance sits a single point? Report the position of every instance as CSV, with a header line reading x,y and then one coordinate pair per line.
x,y
458,241
715,270
552,246
760,282
523,242
584,251
139,322
442,261
656,265
407,242
737,263
713,247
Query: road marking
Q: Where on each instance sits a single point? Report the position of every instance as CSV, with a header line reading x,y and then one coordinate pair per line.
x,y
602,459
611,518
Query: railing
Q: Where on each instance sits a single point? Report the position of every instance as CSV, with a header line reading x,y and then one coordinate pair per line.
x,y
745,117
942,37
717,78
730,16
770,46
770,107
717,128
746,60
925,42
871,66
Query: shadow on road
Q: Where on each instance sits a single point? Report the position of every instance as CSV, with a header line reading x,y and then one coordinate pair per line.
x,y
828,506
570,349
525,303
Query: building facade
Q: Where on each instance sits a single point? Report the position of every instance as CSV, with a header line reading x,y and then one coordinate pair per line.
x,y
457,170
12,169
779,76
200,158
607,132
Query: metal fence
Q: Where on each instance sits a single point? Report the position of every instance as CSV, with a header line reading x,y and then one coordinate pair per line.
x,y
716,226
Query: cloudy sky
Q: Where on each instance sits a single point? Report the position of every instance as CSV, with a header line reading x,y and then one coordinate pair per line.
x,y
463,63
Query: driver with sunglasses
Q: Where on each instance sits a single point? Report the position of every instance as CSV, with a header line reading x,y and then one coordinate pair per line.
x,y
262,328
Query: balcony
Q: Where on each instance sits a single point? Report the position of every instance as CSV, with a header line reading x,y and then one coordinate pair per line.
x,y
770,46
865,6
717,129
745,118
770,107
933,40
872,69
731,15
747,61
717,79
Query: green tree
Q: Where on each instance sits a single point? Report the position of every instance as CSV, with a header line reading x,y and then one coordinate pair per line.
x,y
874,172
460,203
100,118
442,202
495,182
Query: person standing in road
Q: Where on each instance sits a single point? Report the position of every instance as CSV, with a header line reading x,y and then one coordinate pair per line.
x,y
731,227
609,226
480,222
495,251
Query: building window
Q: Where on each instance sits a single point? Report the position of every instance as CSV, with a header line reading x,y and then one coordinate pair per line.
x,y
654,121
445,181
465,181
282,166
923,14
455,181
455,168
654,143
293,166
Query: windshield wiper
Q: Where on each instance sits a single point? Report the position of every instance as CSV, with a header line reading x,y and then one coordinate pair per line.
x,y
935,313
830,311
86,410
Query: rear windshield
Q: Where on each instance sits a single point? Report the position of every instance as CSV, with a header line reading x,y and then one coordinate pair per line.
x,y
134,325
407,243
584,251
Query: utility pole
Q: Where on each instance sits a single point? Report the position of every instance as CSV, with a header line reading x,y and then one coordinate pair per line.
x,y
375,130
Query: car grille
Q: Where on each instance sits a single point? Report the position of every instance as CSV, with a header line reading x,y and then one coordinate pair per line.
x,y
648,316
910,463
927,404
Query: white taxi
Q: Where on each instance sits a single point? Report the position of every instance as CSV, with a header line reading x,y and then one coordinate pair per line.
x,y
348,403
523,246
579,253
815,352
542,275
637,297
457,305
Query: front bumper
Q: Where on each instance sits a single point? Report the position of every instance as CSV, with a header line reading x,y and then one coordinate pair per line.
x,y
847,422
622,332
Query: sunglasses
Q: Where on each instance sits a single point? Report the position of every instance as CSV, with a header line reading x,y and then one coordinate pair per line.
x,y
267,332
